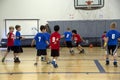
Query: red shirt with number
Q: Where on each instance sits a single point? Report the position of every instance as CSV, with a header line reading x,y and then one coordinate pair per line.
x,y
55,40
10,39
77,38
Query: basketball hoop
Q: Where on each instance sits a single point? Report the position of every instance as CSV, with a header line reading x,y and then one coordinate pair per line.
x,y
89,2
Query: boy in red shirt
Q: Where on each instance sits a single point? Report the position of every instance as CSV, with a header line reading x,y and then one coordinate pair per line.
x,y
10,42
103,38
55,45
78,40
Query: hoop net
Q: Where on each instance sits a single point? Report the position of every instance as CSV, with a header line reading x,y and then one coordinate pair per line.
x,y
89,2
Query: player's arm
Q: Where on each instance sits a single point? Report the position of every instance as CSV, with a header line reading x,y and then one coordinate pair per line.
x,y
105,41
8,35
33,42
82,39
47,43
62,36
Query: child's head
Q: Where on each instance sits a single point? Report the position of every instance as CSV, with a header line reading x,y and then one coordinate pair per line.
x,y
56,28
105,32
68,29
74,32
42,28
11,29
113,25
18,27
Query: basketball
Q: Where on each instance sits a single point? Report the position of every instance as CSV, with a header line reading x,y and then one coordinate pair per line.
x,y
91,46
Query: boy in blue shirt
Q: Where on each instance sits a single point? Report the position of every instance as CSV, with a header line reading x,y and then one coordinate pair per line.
x,y
47,46
40,40
112,43
17,44
68,39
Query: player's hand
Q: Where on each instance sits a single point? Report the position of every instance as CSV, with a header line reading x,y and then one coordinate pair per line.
x,y
22,37
105,44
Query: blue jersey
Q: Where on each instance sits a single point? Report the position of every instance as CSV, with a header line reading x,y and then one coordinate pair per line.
x,y
47,36
68,36
40,40
113,36
17,41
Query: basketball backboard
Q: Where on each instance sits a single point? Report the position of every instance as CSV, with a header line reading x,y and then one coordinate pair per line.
x,y
92,4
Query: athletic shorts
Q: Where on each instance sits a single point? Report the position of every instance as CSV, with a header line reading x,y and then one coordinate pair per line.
x,y
41,52
69,44
111,49
55,53
10,48
18,49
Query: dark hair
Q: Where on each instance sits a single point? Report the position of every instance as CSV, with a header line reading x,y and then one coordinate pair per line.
x,y
17,26
56,28
42,27
105,31
74,31
68,28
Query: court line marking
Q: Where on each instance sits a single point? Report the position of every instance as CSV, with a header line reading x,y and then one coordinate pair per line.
x,y
99,66
11,73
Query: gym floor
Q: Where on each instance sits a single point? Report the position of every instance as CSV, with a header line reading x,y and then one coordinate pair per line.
x,y
88,66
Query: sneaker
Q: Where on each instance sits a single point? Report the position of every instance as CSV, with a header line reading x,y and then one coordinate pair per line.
x,y
115,64
53,63
107,62
3,59
16,60
48,62
35,64
71,52
43,59
56,66
83,51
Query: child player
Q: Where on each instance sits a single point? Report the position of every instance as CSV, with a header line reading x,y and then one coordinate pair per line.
x,y
55,45
103,37
17,44
78,40
112,43
48,39
68,39
40,40
10,42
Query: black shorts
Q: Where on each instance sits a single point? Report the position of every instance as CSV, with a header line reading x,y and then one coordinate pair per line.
x,y
10,48
69,44
111,49
18,49
41,52
54,53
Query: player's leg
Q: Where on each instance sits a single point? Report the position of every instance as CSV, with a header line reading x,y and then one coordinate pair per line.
x,y
5,55
80,48
54,54
17,50
37,57
107,55
44,53
69,45
114,53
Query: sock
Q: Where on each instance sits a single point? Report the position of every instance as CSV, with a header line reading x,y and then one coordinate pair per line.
x,y
115,60
107,59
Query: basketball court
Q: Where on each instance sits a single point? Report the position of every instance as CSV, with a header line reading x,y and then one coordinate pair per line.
x,y
89,17
88,66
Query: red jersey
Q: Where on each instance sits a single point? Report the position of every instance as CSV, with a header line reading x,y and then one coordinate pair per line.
x,y
10,40
77,38
55,40
103,36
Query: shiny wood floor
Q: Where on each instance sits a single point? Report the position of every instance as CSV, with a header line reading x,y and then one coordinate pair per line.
x,y
89,66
